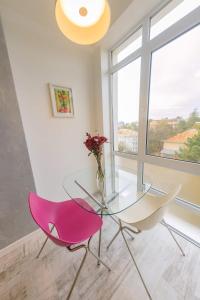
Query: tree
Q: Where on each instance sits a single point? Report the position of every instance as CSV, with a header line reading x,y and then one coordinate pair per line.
x,y
132,126
181,126
191,151
193,118
189,123
156,136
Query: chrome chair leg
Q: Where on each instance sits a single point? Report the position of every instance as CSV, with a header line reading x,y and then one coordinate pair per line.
x,y
115,236
99,259
87,250
96,256
135,263
41,249
43,245
130,235
80,267
172,235
125,229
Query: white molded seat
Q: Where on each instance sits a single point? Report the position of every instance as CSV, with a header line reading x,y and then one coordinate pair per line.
x,y
149,211
143,215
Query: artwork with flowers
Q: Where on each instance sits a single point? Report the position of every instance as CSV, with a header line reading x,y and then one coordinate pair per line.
x,y
62,101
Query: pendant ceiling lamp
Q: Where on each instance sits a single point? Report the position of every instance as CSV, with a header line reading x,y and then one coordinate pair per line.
x,y
83,21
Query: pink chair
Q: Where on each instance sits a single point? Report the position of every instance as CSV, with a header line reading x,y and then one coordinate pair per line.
x,y
73,224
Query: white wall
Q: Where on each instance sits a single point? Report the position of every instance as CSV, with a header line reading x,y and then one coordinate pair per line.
x,y
37,58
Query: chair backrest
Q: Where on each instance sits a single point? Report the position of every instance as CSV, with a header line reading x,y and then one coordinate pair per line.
x,y
157,216
170,197
44,214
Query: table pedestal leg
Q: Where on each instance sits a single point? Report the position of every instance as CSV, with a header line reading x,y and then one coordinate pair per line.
x,y
99,246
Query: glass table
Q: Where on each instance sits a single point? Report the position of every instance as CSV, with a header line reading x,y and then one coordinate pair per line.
x,y
121,190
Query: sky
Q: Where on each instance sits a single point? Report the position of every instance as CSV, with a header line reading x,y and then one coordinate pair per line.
x,y
175,80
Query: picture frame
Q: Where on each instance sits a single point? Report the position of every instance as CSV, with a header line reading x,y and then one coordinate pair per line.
x,y
62,101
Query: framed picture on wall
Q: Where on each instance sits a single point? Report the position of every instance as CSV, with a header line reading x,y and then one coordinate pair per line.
x,y
62,101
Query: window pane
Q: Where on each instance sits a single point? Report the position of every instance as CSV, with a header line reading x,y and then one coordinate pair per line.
x,y
126,177
129,46
126,87
125,164
170,14
174,107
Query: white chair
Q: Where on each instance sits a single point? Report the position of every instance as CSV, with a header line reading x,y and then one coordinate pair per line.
x,y
144,215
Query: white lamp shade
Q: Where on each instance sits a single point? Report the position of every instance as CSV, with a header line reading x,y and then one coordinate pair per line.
x,y
78,29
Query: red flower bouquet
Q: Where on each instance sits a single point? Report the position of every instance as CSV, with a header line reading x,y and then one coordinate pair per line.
x,y
95,145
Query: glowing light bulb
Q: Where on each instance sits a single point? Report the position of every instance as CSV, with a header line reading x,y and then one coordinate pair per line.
x,y
83,13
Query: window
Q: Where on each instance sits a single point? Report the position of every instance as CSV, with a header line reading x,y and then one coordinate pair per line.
x,y
163,179
155,88
170,14
174,106
126,89
127,165
133,43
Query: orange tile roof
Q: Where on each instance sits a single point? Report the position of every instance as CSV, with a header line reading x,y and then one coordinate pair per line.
x,y
182,137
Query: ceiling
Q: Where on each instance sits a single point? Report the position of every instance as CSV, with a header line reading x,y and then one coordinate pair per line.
x,y
117,7
43,11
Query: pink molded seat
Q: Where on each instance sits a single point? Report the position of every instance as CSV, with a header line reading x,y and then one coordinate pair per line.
x,y
73,223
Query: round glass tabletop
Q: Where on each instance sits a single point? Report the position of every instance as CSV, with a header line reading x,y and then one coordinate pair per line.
x,y
121,190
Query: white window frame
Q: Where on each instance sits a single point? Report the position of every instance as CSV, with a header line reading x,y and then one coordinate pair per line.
x,y
145,52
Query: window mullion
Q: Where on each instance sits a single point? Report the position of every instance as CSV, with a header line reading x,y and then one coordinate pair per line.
x,y
143,106
126,61
180,27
